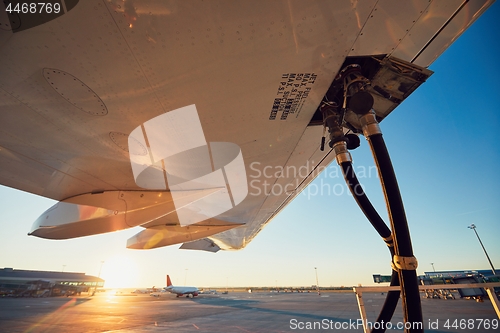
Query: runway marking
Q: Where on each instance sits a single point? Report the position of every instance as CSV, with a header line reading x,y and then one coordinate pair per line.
x,y
196,327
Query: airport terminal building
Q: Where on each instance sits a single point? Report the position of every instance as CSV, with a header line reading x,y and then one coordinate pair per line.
x,y
27,283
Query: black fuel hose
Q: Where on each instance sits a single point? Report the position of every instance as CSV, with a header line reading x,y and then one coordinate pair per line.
x,y
383,230
390,303
407,277
363,201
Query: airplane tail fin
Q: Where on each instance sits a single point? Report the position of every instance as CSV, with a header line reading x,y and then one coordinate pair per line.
x,y
169,283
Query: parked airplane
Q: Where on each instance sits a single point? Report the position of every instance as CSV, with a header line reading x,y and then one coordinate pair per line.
x,y
181,290
147,290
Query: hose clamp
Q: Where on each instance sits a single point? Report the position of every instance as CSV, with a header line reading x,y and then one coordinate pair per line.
x,y
405,263
389,241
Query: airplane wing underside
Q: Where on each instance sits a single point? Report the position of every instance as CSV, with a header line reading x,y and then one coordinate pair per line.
x,y
82,94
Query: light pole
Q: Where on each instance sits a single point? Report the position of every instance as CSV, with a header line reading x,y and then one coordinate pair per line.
x,y
473,227
100,269
433,266
98,276
63,268
317,283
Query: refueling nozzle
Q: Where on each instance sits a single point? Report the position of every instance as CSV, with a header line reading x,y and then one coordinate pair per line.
x,y
355,84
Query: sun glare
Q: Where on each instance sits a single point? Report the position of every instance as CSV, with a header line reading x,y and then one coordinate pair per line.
x,y
120,272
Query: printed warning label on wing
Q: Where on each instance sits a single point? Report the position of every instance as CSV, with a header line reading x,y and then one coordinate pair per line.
x,y
291,95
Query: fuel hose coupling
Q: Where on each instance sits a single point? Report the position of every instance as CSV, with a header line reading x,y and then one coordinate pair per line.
x,y
341,153
369,124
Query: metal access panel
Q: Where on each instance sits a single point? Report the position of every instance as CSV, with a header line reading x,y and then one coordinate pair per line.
x,y
392,80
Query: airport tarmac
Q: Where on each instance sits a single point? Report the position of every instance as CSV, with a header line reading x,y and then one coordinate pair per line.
x,y
234,312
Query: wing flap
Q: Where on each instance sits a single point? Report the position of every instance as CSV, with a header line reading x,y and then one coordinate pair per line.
x,y
204,244
168,235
